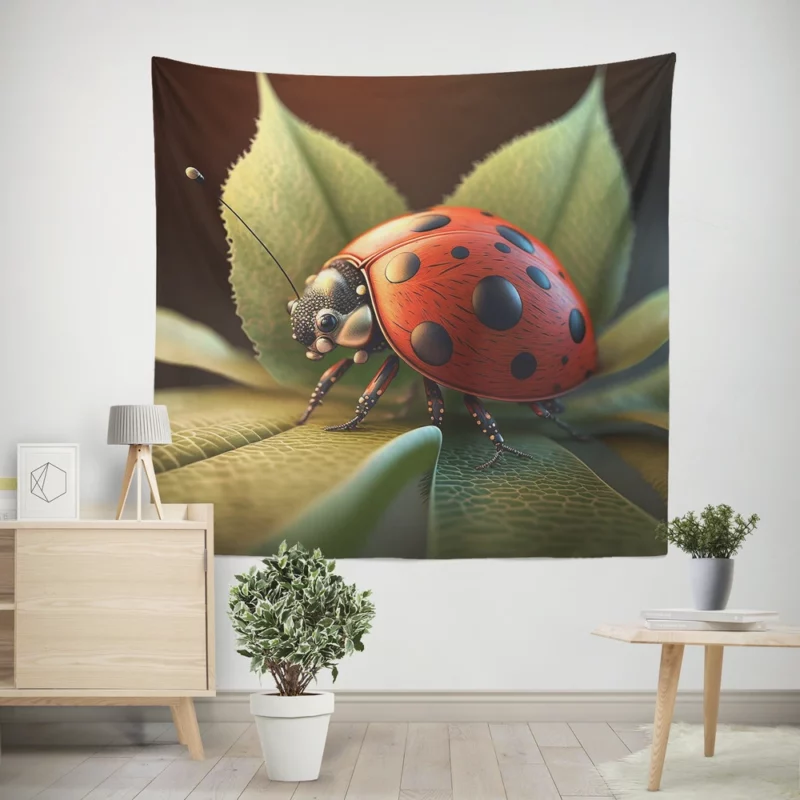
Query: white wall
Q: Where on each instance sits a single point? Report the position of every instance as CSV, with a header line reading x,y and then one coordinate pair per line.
x,y
78,292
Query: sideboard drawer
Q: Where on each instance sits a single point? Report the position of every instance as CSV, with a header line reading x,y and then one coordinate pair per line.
x,y
111,609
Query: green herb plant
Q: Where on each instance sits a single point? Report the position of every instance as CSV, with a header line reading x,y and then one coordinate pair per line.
x,y
293,616
718,533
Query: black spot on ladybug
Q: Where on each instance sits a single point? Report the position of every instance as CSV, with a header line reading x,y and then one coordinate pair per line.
x,y
515,237
402,267
459,252
429,222
589,373
497,303
556,387
564,359
523,365
502,247
487,213
432,343
577,326
539,277
560,274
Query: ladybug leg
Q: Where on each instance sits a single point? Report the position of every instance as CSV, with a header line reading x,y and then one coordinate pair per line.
x,y
435,401
547,409
329,377
488,426
377,386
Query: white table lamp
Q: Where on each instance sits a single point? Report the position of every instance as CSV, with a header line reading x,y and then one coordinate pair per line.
x,y
139,427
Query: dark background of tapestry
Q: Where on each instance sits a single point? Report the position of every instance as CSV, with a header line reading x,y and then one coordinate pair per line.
x,y
421,133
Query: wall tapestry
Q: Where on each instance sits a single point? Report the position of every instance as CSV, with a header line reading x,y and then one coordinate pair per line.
x,y
416,317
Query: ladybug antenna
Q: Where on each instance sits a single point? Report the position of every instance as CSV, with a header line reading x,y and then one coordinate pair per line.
x,y
194,174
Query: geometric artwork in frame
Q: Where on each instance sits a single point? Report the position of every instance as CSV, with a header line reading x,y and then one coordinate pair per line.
x,y
48,481
416,316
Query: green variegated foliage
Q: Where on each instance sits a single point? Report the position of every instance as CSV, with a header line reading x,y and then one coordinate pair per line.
x,y
307,194
718,533
294,616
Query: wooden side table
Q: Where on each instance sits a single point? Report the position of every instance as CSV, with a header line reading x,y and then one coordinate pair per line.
x,y
672,646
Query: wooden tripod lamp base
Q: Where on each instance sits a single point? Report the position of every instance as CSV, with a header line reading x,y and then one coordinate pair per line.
x,y
139,427
140,459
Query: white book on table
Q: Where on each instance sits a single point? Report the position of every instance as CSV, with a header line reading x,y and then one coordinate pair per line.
x,y
729,615
700,625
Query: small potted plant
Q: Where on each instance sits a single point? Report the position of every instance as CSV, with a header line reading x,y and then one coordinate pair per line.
x,y
293,616
711,541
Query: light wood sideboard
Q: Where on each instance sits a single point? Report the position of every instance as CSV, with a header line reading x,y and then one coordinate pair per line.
x,y
110,612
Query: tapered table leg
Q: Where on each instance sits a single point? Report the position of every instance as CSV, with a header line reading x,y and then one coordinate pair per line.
x,y
188,728
712,681
176,721
671,659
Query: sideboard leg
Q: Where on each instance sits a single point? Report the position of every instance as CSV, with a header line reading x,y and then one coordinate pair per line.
x,y
176,720
187,726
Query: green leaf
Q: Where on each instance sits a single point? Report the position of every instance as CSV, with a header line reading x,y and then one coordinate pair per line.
x,y
306,195
646,454
262,485
565,183
637,334
344,517
641,399
206,423
549,505
191,344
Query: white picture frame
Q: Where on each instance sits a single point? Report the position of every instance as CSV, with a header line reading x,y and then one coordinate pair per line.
x,y
48,481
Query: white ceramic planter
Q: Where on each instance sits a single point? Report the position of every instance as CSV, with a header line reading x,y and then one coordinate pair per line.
x,y
292,731
712,579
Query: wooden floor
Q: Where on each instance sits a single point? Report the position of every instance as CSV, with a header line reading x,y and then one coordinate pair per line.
x,y
379,761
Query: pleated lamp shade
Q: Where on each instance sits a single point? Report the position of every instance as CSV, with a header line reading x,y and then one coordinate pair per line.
x,y
139,425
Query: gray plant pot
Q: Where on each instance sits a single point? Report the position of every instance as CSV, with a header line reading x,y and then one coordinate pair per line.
x,y
711,580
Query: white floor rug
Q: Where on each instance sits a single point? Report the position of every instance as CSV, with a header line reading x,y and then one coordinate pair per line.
x,y
749,764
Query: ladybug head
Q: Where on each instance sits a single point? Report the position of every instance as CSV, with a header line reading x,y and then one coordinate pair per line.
x,y
334,309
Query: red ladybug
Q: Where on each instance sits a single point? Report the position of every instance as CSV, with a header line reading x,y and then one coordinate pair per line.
x,y
464,298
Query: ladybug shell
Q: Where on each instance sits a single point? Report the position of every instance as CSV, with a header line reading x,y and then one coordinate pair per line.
x,y
475,304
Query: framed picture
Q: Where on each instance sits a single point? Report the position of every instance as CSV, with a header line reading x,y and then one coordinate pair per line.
x,y
48,484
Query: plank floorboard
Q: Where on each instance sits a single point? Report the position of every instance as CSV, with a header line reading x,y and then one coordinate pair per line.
x,y
574,773
341,753
476,773
600,741
553,734
426,768
228,779
262,788
633,734
182,775
379,766
79,782
522,767
26,774
129,780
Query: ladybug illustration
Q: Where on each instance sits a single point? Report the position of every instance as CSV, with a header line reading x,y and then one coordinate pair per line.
x,y
464,298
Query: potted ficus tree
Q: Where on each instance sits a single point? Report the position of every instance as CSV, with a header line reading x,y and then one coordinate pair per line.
x,y
294,616
711,540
